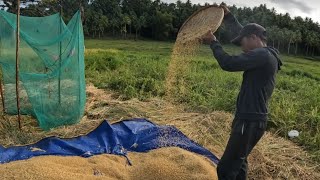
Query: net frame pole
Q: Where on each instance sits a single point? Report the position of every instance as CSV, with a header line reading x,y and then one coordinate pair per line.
x,y
2,97
17,62
1,90
60,55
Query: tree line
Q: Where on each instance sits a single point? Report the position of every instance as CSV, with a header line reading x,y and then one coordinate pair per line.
x,y
158,20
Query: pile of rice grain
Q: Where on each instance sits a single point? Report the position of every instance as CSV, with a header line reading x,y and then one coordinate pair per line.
x,y
160,164
187,46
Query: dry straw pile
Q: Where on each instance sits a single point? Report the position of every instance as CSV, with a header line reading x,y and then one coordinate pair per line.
x,y
273,158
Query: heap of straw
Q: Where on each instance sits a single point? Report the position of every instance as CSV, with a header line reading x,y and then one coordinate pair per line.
x,y
273,158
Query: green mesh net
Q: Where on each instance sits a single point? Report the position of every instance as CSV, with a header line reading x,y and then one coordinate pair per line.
x,y
52,80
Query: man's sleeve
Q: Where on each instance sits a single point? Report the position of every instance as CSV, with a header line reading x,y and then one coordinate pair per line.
x,y
242,62
232,24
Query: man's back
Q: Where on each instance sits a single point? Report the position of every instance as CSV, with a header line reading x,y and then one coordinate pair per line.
x,y
257,86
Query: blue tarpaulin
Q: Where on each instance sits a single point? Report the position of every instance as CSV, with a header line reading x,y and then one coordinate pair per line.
x,y
136,135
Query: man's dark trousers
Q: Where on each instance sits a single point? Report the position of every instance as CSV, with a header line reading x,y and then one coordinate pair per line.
x,y
244,136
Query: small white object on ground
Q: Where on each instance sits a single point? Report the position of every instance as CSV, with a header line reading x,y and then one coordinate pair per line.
x,y
293,133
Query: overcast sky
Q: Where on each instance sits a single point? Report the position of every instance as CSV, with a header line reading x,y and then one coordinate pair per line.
x,y
304,8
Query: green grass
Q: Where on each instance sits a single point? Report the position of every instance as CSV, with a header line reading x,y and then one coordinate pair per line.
x,y
134,69
137,69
